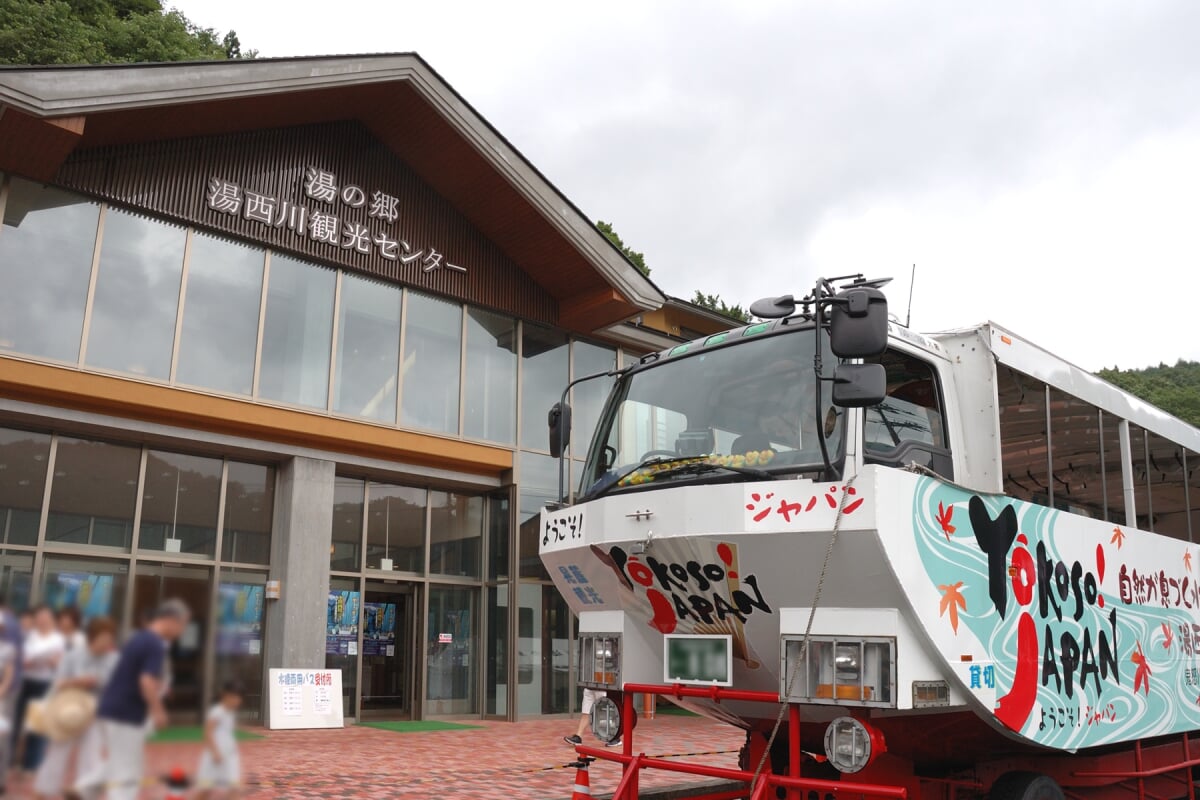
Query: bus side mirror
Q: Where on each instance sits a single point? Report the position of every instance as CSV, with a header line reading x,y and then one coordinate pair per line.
x,y
559,420
858,323
859,385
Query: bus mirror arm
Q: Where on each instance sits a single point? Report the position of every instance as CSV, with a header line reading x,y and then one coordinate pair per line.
x,y
558,421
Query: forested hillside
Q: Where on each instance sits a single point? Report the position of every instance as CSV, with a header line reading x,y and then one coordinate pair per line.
x,y
1175,389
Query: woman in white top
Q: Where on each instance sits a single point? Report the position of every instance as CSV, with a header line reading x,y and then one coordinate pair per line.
x,y
43,649
70,626
85,668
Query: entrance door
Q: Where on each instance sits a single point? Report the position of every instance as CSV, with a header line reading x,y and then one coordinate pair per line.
x,y
193,585
388,650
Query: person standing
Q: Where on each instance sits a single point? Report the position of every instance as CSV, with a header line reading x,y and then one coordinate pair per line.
x,y
70,626
220,764
133,696
44,648
87,668
10,661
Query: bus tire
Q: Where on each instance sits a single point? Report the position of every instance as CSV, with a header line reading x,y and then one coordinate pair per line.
x,y
1025,786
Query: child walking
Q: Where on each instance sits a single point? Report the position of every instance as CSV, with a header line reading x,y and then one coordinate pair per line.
x,y
220,765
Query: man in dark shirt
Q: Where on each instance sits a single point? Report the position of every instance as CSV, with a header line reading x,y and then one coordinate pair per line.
x,y
134,694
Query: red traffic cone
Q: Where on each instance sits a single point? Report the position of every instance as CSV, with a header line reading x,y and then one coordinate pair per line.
x,y
583,786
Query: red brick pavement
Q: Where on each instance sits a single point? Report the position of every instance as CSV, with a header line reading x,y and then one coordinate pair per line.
x,y
503,760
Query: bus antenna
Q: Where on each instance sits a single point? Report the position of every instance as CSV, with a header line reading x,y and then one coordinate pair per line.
x,y
912,279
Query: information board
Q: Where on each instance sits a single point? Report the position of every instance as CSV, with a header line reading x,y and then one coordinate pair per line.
x,y
305,698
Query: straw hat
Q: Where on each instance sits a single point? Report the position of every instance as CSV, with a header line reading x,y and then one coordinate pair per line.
x,y
67,713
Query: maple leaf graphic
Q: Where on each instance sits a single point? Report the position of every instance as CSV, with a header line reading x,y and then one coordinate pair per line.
x,y
952,601
944,516
1168,636
1187,560
1118,537
1141,677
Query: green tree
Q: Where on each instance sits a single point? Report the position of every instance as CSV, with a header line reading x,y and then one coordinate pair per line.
x,y
1175,390
42,32
635,258
713,302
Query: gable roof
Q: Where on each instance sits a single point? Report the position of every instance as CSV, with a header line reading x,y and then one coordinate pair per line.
x,y
46,113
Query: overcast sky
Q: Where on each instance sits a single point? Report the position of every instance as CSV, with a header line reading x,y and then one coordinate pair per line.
x,y
1039,163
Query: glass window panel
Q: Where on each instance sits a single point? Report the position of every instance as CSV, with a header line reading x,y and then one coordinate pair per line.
x,y
1167,487
346,550
368,349
23,457
297,333
543,378
396,527
455,534
96,586
539,485
498,538
496,682
137,295
1075,447
1141,477
180,499
1113,490
93,494
1023,439
453,644
220,315
249,506
46,248
336,655
588,397
491,389
240,635
16,578
432,354
1193,494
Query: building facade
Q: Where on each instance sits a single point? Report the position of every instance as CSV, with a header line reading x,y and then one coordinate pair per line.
x,y
279,338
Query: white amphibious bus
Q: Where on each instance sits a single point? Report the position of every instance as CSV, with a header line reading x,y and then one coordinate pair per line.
x,y
965,564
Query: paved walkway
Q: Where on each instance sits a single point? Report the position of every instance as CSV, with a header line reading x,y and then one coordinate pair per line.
x,y
502,760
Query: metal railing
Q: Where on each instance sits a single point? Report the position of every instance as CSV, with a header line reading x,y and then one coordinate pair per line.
x,y
758,786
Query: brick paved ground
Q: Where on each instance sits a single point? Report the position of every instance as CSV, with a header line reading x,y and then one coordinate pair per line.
x,y
501,760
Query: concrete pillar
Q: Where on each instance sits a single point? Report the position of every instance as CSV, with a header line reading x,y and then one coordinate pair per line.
x,y
300,539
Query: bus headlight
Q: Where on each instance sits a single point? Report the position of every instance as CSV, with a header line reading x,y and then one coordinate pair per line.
x,y
606,720
851,744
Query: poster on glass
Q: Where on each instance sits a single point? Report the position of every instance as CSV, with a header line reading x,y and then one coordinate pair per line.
x,y
379,636
341,624
91,594
239,621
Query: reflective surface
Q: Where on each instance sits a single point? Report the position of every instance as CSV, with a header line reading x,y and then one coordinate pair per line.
x,y
453,642
220,315
240,632
543,378
23,463
46,248
346,548
753,402
455,534
94,493
368,349
432,354
589,396
396,527
137,295
297,333
179,504
96,586
490,393
249,504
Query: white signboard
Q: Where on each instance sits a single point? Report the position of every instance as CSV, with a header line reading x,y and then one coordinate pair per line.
x,y
305,698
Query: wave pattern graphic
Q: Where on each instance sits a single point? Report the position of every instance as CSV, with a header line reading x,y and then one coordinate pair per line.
x,y
1104,709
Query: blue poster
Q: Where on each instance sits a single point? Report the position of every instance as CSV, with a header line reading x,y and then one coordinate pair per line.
x,y
239,619
91,594
341,623
380,632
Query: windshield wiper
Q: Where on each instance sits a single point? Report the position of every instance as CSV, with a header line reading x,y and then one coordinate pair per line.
x,y
616,479
700,467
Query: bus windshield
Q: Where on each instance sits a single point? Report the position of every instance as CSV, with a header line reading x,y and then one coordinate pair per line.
x,y
748,405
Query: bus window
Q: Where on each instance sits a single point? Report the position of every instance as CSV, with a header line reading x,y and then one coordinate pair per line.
x,y
1167,484
1110,450
1023,436
908,426
1076,482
